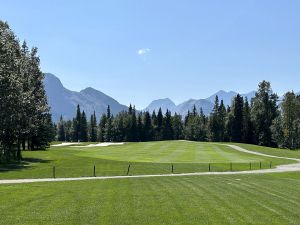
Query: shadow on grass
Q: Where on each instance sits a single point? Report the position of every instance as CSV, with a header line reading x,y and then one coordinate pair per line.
x,y
24,164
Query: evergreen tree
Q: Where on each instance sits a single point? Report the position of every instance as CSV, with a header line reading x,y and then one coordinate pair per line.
x,y
229,124
214,122
108,126
222,120
147,127
177,127
77,125
44,133
140,130
133,128
190,125
159,128
296,126
247,124
167,128
154,123
119,129
61,134
93,128
290,113
83,128
68,130
263,112
40,119
201,128
24,112
238,115
101,128
277,132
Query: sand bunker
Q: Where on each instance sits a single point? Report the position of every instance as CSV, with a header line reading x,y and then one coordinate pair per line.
x,y
65,144
105,144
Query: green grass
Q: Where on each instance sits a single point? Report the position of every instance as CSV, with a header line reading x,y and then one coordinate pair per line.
x,y
271,151
235,200
145,158
169,152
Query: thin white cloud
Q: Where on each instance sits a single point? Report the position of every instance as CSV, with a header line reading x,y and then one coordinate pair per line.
x,y
143,51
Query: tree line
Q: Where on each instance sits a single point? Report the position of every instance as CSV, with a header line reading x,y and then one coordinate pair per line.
x,y
25,121
263,121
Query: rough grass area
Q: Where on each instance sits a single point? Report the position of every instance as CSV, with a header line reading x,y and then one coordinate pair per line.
x,y
231,199
144,158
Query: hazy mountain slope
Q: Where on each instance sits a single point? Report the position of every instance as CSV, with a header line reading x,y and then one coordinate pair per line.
x,y
164,104
227,97
64,102
184,107
223,95
205,104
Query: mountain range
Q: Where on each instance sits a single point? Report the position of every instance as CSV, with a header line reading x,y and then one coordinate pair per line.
x,y
64,102
206,104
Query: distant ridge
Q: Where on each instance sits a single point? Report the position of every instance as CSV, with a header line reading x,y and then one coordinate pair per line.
x,y
64,102
206,104
164,104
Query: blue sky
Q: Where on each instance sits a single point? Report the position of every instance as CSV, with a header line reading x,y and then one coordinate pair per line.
x,y
137,51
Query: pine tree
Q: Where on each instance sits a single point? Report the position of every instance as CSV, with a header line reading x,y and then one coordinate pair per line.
x,y
61,134
108,126
222,120
68,130
247,124
93,128
77,125
147,127
238,116
140,130
201,127
167,128
119,128
290,114
214,122
159,128
190,125
11,90
133,125
229,124
177,127
24,112
101,128
263,112
83,128
194,112
277,132
40,117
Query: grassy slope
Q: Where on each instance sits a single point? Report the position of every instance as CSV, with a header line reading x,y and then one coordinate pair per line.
x,y
170,152
271,151
236,199
186,156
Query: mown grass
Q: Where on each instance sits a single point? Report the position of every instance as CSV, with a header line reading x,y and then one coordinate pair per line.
x,y
168,152
271,151
228,199
143,158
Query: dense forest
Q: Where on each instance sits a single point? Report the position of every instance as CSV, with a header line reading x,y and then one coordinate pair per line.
x,y
25,121
264,120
